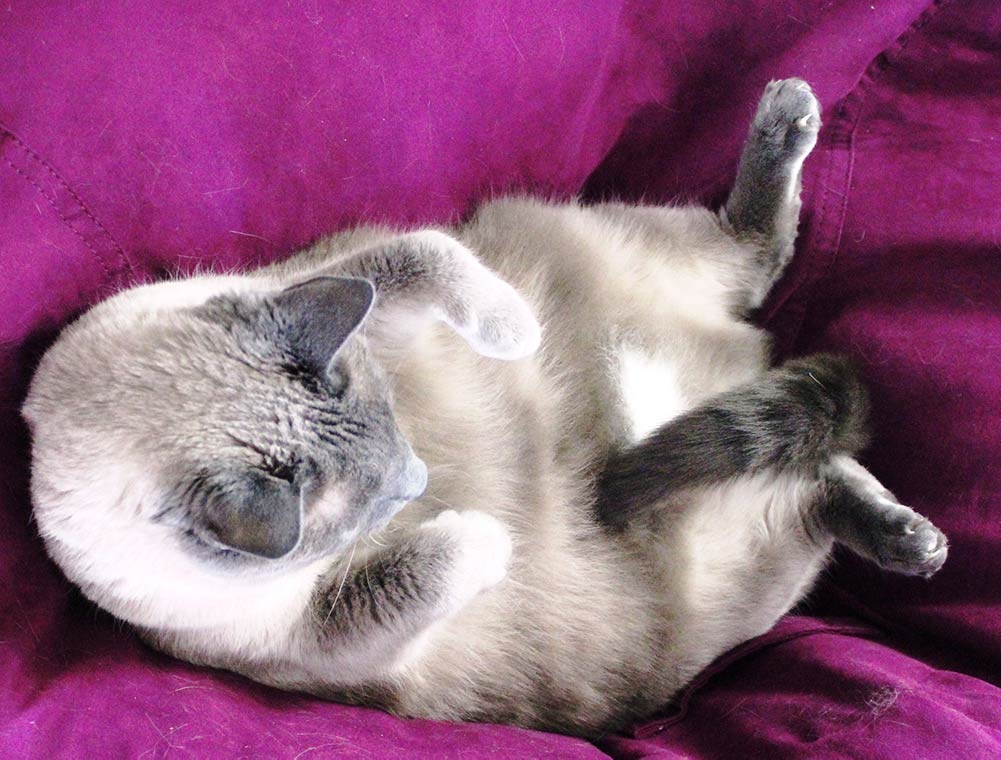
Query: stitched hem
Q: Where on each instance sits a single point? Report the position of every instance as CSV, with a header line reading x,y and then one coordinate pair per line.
x,y
774,637
834,185
68,206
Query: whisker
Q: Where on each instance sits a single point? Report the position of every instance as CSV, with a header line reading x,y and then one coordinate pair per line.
x,y
347,569
813,377
441,501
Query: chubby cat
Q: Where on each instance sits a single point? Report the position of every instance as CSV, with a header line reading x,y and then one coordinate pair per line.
x,y
367,473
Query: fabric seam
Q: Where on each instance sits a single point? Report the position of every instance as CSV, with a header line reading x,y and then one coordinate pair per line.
x,y
683,700
74,198
48,199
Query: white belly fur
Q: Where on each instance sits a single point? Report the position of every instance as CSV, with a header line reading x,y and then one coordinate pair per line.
x,y
651,392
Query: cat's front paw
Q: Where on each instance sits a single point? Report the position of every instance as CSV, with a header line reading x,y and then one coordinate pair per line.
x,y
502,325
479,305
480,549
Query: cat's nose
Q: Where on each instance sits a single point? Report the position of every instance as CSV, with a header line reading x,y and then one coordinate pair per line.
x,y
415,478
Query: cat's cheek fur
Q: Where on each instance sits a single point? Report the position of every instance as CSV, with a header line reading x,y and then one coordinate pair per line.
x,y
103,533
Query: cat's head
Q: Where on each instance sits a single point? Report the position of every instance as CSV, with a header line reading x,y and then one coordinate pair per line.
x,y
241,423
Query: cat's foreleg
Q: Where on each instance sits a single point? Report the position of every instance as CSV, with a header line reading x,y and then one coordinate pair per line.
x,y
764,203
429,275
363,618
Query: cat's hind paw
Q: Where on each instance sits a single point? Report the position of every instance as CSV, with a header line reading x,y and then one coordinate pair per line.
x,y
868,518
908,543
788,118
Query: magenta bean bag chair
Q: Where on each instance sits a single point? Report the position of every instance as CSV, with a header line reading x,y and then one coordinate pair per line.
x,y
144,139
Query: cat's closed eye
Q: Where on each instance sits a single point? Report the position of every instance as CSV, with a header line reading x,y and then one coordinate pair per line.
x,y
285,466
280,469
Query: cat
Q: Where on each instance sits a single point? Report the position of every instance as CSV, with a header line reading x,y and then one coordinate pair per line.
x,y
543,484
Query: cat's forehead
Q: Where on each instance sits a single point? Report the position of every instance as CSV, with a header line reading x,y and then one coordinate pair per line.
x,y
190,337
137,326
181,294
147,358
194,361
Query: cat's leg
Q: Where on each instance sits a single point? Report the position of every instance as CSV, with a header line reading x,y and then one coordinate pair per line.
x,y
738,556
764,203
794,416
798,426
429,275
362,619
858,511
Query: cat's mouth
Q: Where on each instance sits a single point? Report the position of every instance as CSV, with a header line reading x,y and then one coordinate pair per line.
x,y
411,487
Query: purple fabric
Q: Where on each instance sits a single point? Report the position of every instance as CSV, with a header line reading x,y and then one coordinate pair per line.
x,y
139,138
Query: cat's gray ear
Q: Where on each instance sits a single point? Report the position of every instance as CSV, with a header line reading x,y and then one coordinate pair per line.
x,y
260,516
320,314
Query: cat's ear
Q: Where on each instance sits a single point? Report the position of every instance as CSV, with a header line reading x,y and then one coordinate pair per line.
x,y
260,515
320,314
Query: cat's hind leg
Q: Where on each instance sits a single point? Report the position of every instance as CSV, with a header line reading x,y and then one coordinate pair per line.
x,y
798,424
794,417
764,203
741,553
746,550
